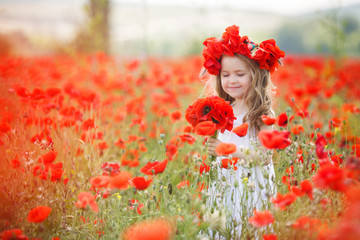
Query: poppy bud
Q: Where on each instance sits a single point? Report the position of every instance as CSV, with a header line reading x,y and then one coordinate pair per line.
x,y
170,188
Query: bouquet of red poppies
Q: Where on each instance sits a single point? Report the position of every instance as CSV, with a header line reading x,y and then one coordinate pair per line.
x,y
207,115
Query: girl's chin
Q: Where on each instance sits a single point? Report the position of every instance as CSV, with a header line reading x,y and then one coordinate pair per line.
x,y
234,89
238,97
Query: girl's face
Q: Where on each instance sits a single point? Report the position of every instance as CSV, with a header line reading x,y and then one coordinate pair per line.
x,y
235,76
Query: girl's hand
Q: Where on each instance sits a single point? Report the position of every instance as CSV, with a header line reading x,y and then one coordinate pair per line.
x,y
212,143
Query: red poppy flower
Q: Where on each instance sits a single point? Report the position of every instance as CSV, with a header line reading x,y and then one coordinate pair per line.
x,y
4,127
214,47
110,168
212,52
130,158
86,198
225,148
270,237
133,65
188,129
102,146
307,188
100,181
131,163
133,203
282,119
56,171
120,181
132,138
206,128
336,159
231,39
274,139
52,92
187,138
261,219
48,158
290,170
37,94
286,181
306,223
282,201
291,118
297,129
261,56
226,161
268,54
330,176
213,66
335,122
15,163
318,125
120,143
183,184
297,191
268,120
21,91
213,109
176,115
204,167
171,151
241,130
13,234
320,147
302,113
153,168
66,180
140,183
155,229
38,214
88,124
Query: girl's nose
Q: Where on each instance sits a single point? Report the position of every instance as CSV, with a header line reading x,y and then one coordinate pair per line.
x,y
233,79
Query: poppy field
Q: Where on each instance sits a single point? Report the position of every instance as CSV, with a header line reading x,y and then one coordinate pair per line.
x,y
98,147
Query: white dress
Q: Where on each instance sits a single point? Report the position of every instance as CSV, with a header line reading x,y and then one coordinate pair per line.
x,y
238,192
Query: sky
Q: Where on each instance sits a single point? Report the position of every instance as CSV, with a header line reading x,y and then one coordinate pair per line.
x,y
286,7
61,18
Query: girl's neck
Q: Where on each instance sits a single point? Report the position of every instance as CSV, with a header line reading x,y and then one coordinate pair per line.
x,y
239,107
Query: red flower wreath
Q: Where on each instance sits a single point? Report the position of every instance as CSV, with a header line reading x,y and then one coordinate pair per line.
x,y
267,53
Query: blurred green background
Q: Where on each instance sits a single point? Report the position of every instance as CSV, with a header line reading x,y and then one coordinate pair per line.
x,y
173,28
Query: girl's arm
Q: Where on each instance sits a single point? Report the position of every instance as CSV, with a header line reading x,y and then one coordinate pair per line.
x,y
260,155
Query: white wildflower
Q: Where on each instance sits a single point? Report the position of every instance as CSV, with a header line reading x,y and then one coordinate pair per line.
x,y
251,186
216,220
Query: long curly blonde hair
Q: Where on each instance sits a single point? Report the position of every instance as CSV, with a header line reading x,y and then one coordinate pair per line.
x,y
258,97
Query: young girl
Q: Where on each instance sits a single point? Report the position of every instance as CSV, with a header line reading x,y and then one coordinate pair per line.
x,y
241,71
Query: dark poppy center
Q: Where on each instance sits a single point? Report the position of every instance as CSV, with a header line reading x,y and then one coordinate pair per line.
x,y
214,120
207,109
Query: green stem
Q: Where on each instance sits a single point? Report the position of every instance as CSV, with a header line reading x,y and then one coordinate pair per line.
x,y
213,169
211,157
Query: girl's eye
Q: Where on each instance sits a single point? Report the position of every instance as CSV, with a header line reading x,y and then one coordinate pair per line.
x,y
225,75
240,75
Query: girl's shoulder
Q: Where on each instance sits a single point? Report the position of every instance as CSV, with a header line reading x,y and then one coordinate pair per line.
x,y
267,127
